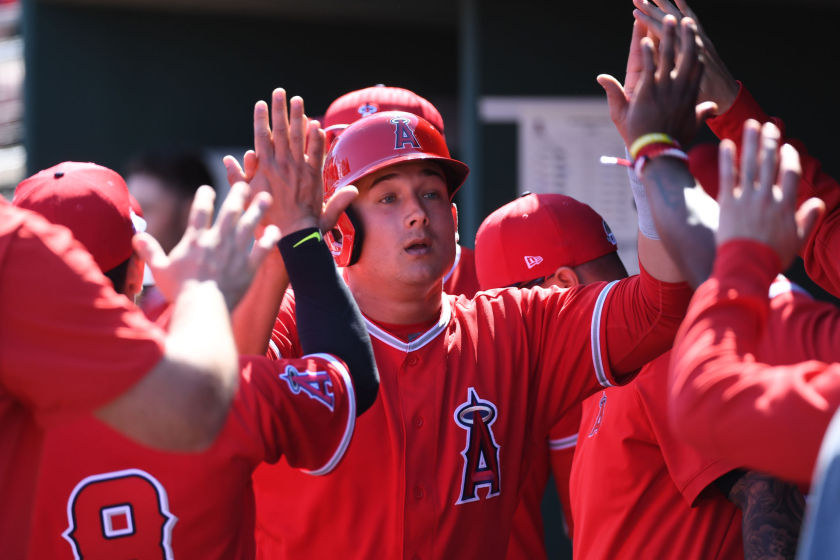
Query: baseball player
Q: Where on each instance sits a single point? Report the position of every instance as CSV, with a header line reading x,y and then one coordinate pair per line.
x,y
637,490
101,495
347,109
467,387
72,346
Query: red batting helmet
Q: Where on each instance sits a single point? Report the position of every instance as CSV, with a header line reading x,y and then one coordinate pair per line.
x,y
373,143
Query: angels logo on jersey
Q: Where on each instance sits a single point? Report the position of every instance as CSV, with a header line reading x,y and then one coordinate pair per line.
x,y
316,384
121,514
481,455
404,134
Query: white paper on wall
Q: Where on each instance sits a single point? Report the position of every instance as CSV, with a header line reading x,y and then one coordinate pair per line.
x,y
560,144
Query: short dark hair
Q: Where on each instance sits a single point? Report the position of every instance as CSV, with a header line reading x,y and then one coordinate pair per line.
x,y
181,172
118,275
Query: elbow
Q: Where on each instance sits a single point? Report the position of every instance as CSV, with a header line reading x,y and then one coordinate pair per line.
x,y
205,412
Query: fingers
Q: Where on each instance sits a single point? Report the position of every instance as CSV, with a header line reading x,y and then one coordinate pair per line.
x,y
280,121
650,10
726,171
263,246
649,73
233,170
150,251
705,111
767,159
808,216
262,131
336,205
749,156
251,164
666,52
297,129
616,98
232,208
690,70
201,212
790,170
251,218
668,8
653,26
315,145
634,60
687,11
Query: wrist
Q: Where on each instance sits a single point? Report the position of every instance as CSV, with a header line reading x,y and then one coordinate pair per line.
x,y
290,227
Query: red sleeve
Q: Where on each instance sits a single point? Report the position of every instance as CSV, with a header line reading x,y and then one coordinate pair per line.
x,y
302,409
821,252
588,337
69,343
692,471
727,403
562,442
284,341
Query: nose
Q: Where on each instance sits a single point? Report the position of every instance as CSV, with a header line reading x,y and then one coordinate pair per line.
x,y
416,214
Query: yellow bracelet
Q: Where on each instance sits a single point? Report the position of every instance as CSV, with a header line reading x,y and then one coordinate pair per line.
x,y
652,138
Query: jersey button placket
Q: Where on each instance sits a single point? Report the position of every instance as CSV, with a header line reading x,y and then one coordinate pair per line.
x,y
418,421
418,493
412,360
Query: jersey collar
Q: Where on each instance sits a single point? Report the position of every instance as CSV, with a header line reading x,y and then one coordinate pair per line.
x,y
378,333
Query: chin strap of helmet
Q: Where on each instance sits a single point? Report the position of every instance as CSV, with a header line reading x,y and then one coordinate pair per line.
x,y
360,236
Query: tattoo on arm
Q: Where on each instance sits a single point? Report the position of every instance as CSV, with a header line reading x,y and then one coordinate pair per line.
x,y
772,515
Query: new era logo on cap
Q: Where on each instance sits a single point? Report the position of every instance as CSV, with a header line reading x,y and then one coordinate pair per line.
x,y
533,261
368,109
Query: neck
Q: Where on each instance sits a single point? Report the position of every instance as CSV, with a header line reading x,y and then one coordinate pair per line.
x,y
406,306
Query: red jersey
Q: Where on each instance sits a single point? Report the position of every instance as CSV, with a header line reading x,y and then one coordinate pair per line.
x,y
821,252
69,345
462,280
761,404
439,460
103,496
527,536
640,492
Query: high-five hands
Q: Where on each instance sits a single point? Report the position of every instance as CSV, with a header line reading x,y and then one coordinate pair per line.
x,y
213,252
288,163
717,85
665,99
758,208
618,96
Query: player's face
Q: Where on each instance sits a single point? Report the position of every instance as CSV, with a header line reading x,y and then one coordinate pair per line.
x,y
164,212
408,225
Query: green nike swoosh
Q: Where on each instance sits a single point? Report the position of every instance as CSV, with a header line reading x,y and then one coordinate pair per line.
x,y
314,235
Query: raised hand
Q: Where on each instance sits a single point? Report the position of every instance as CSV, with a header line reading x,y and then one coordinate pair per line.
x,y
717,85
759,208
618,96
289,161
665,100
213,252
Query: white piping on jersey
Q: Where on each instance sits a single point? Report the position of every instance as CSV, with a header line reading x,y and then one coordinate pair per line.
x,y
351,416
418,343
595,335
782,286
563,443
273,346
454,266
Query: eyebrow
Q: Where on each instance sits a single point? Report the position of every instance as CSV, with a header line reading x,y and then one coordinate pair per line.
x,y
427,172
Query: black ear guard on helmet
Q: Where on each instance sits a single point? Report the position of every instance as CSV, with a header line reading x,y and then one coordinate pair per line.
x,y
360,236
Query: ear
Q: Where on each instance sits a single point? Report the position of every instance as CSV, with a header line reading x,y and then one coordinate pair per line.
x,y
455,218
564,277
134,276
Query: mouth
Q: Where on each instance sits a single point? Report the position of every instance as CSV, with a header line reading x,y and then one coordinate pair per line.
x,y
418,247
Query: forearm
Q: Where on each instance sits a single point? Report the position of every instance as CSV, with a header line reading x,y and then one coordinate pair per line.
x,y
182,403
328,319
686,236
253,319
772,512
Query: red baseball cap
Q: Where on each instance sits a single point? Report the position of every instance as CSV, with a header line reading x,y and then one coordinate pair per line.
x,y
535,235
92,202
349,108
